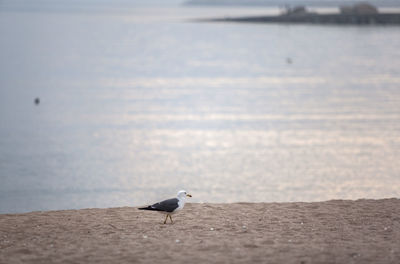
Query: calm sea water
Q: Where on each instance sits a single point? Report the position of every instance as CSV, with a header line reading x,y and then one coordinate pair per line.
x,y
138,103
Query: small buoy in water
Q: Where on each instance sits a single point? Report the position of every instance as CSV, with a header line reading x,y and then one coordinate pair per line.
x,y
289,60
37,101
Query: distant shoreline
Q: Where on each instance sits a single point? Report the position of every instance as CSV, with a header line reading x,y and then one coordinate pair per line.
x,y
339,19
337,231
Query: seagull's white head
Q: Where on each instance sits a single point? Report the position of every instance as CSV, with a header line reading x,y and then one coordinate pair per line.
x,y
182,194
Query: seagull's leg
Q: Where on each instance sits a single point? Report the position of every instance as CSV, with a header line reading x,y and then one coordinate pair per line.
x,y
171,219
166,219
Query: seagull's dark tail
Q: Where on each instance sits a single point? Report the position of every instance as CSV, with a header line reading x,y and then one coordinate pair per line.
x,y
146,208
149,208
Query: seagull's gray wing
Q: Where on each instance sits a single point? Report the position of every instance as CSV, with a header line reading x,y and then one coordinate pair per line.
x,y
167,206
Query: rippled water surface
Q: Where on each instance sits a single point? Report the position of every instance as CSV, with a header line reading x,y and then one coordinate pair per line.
x,y
138,103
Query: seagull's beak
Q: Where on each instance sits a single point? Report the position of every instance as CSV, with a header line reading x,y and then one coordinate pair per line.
x,y
188,195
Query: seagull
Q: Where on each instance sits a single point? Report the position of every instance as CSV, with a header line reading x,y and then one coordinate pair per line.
x,y
170,206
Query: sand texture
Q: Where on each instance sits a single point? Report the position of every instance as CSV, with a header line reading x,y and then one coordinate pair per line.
x,y
362,231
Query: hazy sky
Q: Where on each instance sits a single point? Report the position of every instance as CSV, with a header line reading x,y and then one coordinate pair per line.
x,y
74,3
97,2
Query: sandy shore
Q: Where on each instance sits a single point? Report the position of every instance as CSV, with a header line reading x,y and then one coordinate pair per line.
x,y
362,231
